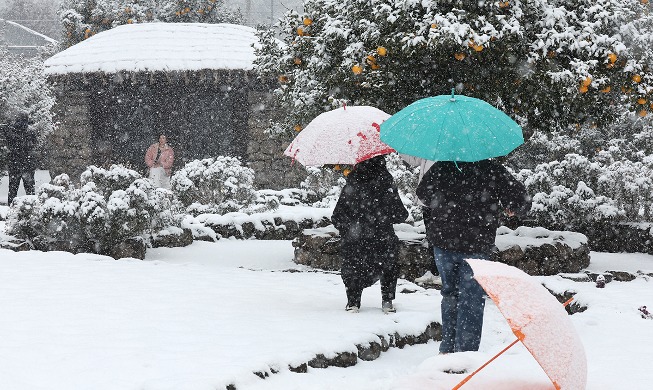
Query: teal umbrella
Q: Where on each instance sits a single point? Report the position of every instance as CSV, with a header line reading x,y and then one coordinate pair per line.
x,y
452,128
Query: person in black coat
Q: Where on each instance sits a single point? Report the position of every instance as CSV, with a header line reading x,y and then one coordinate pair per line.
x,y
465,201
367,208
20,142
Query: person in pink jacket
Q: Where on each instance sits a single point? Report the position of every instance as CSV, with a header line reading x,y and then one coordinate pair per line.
x,y
159,158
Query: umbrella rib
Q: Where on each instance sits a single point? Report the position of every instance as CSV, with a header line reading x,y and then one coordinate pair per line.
x,y
469,140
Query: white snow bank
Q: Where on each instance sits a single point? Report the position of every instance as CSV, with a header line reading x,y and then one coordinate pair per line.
x,y
532,237
159,47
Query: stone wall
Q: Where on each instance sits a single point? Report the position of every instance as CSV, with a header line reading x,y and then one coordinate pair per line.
x,y
265,153
318,248
68,148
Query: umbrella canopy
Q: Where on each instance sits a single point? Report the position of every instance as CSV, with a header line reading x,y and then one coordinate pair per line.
x,y
538,320
452,128
346,135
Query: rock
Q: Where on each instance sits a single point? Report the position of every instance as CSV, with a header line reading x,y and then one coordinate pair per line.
x,y
131,247
15,245
301,369
594,276
173,238
369,352
621,276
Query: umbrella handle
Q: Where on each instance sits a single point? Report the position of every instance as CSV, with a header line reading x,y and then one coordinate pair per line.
x,y
459,385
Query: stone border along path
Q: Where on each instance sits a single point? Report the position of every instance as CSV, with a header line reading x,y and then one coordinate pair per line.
x,y
372,350
367,352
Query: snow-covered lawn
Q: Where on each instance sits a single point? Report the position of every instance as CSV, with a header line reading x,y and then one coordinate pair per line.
x,y
209,315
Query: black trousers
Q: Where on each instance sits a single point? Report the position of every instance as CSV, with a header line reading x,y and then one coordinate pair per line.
x,y
365,262
15,174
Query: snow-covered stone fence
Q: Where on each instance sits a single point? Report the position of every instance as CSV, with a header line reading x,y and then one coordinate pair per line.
x,y
536,251
265,226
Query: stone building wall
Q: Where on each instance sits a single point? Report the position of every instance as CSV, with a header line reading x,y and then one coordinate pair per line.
x,y
69,145
264,152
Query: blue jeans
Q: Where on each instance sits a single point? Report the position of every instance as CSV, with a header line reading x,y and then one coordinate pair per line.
x,y
462,301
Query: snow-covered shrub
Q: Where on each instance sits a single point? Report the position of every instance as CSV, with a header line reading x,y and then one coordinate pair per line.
x,y
323,185
578,190
214,185
107,181
81,19
108,208
24,90
405,178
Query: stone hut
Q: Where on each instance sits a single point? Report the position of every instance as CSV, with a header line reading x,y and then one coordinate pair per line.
x,y
118,90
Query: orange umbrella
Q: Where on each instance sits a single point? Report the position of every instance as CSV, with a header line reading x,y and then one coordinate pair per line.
x,y
538,320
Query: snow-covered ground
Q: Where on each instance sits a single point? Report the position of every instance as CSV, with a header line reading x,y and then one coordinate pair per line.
x,y
211,314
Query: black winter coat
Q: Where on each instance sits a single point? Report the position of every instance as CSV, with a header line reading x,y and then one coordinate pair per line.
x,y
20,144
369,204
466,202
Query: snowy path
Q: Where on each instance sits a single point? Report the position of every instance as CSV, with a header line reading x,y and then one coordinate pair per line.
x,y
185,318
208,315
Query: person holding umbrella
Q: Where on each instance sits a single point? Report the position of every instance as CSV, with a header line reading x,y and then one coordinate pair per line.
x,y
466,200
367,208
369,203
466,191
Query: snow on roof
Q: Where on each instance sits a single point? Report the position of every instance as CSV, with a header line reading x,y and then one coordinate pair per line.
x,y
159,47
29,30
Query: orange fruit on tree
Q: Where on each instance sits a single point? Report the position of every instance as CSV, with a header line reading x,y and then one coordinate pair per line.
x,y
641,101
459,56
582,88
370,59
642,113
382,51
357,69
637,78
375,66
297,128
612,58
587,81
346,171
336,167
283,79
606,89
300,31
297,61
308,21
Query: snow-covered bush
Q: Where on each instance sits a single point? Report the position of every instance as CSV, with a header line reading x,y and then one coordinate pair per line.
x,y
109,207
81,19
577,190
323,184
24,90
215,185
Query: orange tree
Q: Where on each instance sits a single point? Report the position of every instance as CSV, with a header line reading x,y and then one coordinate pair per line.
x,y
551,65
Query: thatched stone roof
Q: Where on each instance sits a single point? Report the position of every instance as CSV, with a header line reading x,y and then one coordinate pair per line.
x,y
159,47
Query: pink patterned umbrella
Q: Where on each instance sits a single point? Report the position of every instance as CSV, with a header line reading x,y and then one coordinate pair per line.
x,y
538,320
346,135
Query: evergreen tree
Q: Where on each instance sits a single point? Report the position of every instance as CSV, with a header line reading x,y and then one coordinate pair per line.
x,y
551,65
24,90
82,19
